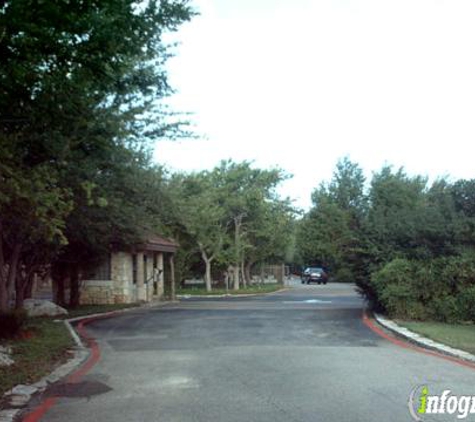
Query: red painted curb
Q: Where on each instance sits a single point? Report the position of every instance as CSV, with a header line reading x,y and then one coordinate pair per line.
x,y
94,357
406,345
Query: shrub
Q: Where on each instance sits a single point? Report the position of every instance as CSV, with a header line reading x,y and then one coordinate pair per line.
x,y
11,323
394,287
344,275
466,304
441,289
445,309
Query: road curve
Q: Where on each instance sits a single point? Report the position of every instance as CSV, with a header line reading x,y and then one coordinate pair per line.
x,y
300,355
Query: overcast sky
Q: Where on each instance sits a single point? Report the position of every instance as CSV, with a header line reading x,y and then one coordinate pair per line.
x,y
298,84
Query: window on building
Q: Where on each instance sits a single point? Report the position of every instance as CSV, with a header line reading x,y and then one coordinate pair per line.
x,y
145,278
134,268
101,271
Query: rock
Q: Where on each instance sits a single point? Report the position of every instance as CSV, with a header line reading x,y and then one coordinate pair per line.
x,y
20,395
38,307
41,385
5,359
8,415
18,400
24,390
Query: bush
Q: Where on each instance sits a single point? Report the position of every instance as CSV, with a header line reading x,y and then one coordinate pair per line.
x,y
344,275
441,289
11,323
466,304
395,289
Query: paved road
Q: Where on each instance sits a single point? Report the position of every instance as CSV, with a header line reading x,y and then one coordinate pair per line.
x,y
299,355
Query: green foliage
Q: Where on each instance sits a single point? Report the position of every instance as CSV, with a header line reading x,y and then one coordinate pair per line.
x,y
408,246
231,216
394,286
78,103
331,233
37,355
466,304
441,289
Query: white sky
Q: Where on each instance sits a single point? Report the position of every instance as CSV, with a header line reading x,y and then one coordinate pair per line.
x,y
299,83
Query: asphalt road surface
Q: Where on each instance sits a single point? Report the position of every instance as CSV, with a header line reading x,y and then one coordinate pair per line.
x,y
300,355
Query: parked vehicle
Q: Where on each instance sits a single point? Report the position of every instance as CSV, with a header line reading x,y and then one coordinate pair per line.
x,y
314,275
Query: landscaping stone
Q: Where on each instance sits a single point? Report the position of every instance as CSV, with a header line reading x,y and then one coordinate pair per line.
x,y
38,307
20,395
5,359
23,390
8,415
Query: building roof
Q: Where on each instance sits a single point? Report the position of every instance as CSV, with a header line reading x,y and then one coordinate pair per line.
x,y
159,244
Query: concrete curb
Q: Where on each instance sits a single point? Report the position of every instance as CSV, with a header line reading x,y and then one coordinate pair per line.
x,y
423,341
20,395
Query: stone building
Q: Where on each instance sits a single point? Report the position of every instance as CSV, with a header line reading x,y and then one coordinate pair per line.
x,y
136,275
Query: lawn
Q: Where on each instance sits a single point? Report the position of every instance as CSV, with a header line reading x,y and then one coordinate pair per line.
x,y
254,289
44,344
459,336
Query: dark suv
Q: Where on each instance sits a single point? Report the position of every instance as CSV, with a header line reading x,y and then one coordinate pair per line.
x,y
314,275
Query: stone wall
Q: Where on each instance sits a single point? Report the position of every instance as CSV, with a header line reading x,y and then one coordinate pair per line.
x,y
97,292
121,289
124,290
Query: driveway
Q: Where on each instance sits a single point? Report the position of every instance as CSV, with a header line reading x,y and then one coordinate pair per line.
x,y
300,355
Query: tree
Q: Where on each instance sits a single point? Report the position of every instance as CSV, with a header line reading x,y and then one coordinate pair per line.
x,y
331,234
200,211
268,234
397,203
243,190
33,212
73,97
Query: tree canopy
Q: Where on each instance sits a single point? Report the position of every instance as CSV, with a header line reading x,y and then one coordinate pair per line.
x,y
81,89
407,244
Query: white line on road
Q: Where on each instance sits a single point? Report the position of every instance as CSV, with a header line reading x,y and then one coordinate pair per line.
x,y
288,302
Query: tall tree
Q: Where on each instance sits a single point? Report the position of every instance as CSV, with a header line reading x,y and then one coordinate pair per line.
x,y
243,189
72,96
332,232
202,215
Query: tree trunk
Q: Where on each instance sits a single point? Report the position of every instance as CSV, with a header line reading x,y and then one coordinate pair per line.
x,y
74,294
32,283
245,280
12,271
24,283
237,245
208,275
207,260
3,276
20,293
236,277
226,280
58,275
247,271
172,278
3,294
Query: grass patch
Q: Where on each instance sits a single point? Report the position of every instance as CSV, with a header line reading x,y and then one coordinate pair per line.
x,y
460,336
37,355
84,310
255,289
44,345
